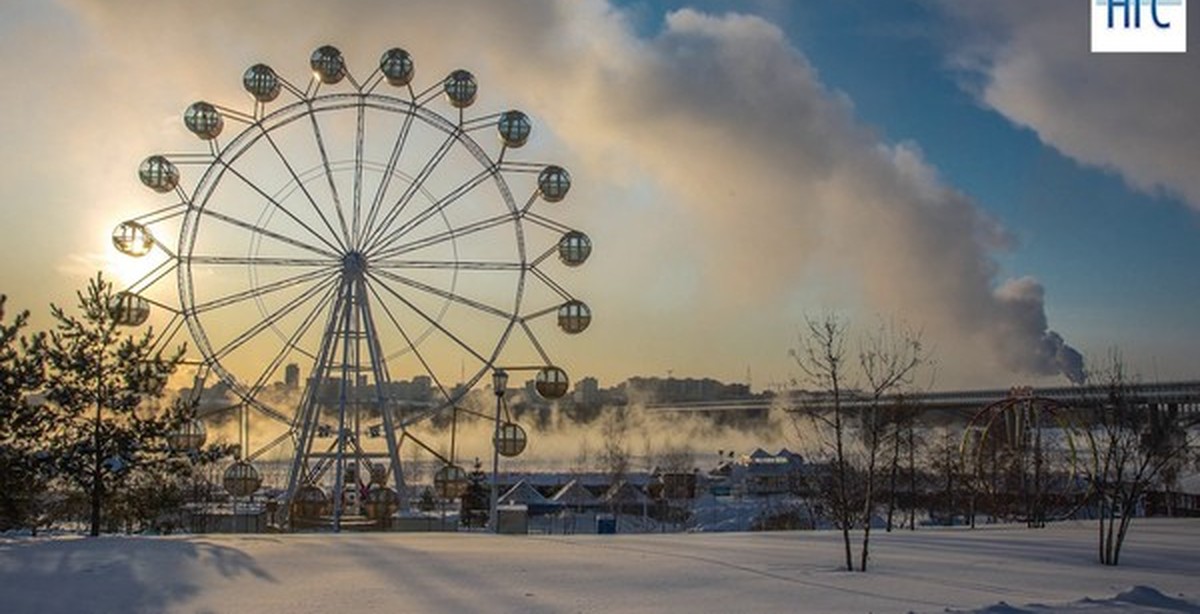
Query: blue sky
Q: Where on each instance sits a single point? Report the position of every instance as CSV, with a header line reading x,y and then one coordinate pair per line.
x,y
967,167
890,59
1082,229
1121,262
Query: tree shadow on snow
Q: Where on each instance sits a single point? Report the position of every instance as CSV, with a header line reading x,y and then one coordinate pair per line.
x,y
112,574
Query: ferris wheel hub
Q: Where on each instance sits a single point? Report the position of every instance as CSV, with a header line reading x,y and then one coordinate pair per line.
x,y
354,264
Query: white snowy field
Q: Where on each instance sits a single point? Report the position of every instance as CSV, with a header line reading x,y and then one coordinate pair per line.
x,y
995,569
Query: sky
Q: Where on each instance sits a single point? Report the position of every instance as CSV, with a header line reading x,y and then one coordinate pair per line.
x,y
965,167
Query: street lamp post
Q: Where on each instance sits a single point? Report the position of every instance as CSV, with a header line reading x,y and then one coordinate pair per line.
x,y
499,386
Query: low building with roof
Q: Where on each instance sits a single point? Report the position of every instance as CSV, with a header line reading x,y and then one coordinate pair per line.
x,y
523,493
574,495
624,497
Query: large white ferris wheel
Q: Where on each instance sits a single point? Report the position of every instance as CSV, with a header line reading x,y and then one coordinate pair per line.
x,y
352,227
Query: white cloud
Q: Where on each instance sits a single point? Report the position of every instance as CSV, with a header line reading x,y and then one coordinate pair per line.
x,y
1133,114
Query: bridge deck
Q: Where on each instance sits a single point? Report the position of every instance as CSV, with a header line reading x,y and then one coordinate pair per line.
x,y
1183,395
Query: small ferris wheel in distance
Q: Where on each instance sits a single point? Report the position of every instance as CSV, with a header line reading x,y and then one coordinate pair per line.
x,y
364,229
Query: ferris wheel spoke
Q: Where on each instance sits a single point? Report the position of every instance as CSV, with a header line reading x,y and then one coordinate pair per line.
x,y
434,322
274,443
448,235
546,223
291,342
271,413
550,251
167,335
550,283
540,313
269,321
264,290
261,261
450,296
303,188
380,232
333,191
426,413
267,233
163,214
308,415
437,207
358,173
152,276
279,207
374,350
210,411
424,446
448,265
386,177
537,345
411,344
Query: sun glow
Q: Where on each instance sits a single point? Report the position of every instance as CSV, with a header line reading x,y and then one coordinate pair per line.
x,y
126,270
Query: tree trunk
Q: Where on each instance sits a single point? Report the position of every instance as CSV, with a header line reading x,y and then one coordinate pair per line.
x,y
844,504
846,541
948,490
1108,536
912,478
1127,512
862,562
97,469
869,497
895,472
1106,511
843,501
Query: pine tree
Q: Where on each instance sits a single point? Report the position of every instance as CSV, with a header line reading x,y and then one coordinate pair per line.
x,y
475,497
23,426
104,388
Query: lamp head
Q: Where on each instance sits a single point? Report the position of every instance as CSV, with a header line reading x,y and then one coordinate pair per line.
x,y
499,381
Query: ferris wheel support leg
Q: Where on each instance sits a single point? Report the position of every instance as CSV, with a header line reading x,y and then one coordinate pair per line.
x,y
394,457
309,414
349,336
379,370
307,421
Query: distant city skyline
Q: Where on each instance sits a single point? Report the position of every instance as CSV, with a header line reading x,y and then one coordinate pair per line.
x,y
964,166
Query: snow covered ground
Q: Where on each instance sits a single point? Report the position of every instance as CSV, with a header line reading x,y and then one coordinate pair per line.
x,y
991,569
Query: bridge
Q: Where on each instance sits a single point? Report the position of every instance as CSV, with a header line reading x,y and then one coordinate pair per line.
x,y
1184,397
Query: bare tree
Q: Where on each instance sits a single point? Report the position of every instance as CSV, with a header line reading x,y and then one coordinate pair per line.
x,y
912,442
953,487
647,452
902,440
583,458
1137,449
821,356
414,469
888,358
677,458
614,456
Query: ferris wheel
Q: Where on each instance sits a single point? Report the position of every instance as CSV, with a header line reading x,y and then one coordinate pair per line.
x,y
356,227
1027,455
